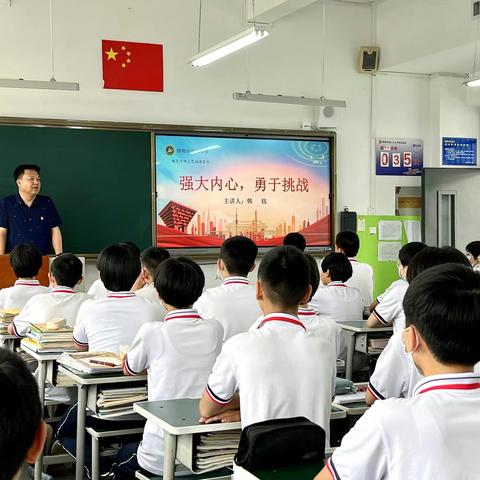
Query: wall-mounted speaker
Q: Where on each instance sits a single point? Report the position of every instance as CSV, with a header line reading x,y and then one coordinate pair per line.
x,y
368,59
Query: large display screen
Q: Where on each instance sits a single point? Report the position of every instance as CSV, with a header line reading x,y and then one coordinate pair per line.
x,y
210,188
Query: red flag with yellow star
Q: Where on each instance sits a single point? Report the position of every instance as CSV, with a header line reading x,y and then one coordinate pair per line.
x,y
132,66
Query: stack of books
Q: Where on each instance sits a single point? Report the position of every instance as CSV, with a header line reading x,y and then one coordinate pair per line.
x,y
216,450
377,345
92,363
116,402
6,317
41,339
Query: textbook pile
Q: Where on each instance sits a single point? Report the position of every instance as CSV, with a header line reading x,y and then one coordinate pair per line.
x,y
116,402
216,450
92,362
6,317
377,345
42,338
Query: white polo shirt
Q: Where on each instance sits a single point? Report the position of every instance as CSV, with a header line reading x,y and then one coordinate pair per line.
x,y
149,292
61,302
362,278
178,354
18,295
434,435
390,310
113,321
324,326
395,374
396,283
280,370
339,302
233,304
97,290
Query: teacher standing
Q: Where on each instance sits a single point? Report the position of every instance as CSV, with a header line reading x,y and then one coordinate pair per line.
x,y
28,217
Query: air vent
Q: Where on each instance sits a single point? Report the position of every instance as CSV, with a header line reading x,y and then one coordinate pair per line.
x,y
476,9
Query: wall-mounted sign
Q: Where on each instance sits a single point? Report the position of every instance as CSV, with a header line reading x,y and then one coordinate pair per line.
x,y
459,151
399,156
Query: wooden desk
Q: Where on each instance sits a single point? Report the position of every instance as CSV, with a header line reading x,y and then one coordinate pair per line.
x,y
84,382
7,277
357,334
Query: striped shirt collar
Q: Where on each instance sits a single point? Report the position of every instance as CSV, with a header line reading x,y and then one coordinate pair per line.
x,y
61,289
306,312
336,284
236,281
120,295
183,313
283,318
27,283
453,381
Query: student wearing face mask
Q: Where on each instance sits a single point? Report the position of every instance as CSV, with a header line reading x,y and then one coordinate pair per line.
x,y
395,375
389,310
473,252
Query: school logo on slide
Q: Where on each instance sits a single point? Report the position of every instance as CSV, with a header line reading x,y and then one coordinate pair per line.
x,y
170,150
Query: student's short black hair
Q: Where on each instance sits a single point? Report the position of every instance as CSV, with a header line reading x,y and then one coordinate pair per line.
x,y
133,246
25,260
473,248
349,242
338,266
152,257
239,254
179,282
284,274
432,256
443,303
21,413
296,240
119,267
408,251
67,269
20,170
314,274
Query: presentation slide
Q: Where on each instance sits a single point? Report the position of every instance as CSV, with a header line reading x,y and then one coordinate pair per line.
x,y
212,188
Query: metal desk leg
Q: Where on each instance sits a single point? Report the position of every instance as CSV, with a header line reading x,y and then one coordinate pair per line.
x,y
41,375
350,350
95,458
169,455
81,417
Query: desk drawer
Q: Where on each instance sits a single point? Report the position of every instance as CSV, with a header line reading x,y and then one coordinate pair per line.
x,y
362,339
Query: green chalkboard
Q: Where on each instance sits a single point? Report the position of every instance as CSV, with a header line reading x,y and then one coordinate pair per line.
x,y
100,180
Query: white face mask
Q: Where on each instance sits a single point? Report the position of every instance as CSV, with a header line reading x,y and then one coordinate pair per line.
x,y
409,354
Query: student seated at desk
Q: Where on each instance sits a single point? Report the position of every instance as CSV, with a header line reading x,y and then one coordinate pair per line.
x,y
233,303
336,300
22,430
178,355
295,239
324,325
388,310
113,321
25,260
436,433
279,370
347,242
61,302
395,375
473,252
150,259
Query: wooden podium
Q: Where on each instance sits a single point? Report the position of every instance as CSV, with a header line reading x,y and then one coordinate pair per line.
x,y
7,277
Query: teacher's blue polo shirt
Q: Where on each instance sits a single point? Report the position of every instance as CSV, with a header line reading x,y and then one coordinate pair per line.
x,y
26,224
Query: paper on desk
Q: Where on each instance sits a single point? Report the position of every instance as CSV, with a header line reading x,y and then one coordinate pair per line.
x,y
413,230
390,230
388,251
350,398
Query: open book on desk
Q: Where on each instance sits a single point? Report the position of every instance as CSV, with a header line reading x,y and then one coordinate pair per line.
x,y
92,362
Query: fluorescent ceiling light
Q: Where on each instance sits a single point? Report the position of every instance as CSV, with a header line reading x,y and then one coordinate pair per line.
x,y
38,84
472,82
229,46
259,97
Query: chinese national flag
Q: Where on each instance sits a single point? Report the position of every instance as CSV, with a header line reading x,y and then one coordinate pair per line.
x,y
132,66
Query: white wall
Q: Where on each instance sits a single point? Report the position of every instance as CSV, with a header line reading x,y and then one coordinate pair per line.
x,y
289,61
